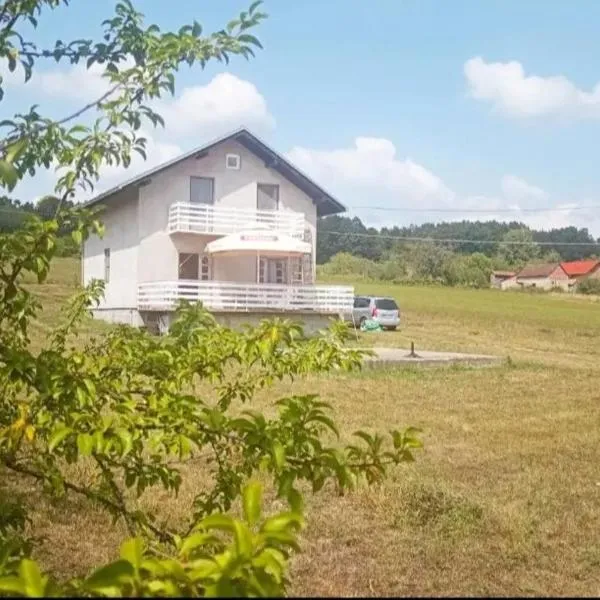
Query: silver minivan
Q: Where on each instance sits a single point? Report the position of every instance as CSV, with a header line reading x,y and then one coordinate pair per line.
x,y
384,310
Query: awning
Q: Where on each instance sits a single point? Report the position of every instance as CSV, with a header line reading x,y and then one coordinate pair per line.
x,y
266,242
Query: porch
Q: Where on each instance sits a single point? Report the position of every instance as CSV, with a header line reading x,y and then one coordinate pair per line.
x,y
227,296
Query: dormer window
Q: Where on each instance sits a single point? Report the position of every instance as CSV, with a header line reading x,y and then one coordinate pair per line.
x,y
233,161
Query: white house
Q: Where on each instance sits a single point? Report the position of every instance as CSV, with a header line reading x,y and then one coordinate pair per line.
x,y
232,224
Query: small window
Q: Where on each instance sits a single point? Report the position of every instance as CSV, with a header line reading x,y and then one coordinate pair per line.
x,y
267,197
106,265
233,161
205,270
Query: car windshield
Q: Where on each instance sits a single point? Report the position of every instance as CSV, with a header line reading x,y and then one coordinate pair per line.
x,y
386,304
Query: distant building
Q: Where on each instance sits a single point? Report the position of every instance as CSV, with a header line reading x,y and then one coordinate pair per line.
x,y
578,270
503,280
544,277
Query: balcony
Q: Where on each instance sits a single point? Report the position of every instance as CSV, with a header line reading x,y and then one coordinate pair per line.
x,y
246,297
220,220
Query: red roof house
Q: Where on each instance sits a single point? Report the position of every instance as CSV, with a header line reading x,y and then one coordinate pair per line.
x,y
581,268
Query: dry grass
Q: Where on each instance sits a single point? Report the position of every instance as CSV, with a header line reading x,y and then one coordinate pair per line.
x,y
504,499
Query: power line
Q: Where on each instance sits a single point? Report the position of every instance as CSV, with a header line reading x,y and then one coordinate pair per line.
x,y
515,211
455,240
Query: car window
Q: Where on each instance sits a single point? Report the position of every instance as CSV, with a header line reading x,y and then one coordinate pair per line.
x,y
361,302
386,304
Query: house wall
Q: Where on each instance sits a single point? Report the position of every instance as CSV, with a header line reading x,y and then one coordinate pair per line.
x,y
122,238
558,278
508,284
157,257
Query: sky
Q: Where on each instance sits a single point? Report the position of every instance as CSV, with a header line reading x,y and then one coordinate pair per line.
x,y
405,110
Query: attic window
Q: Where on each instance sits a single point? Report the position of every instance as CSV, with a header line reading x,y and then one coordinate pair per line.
x,y
233,161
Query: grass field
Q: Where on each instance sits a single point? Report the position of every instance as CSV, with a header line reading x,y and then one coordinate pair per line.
x,y
504,499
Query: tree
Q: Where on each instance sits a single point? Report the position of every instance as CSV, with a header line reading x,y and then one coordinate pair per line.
x,y
135,409
519,248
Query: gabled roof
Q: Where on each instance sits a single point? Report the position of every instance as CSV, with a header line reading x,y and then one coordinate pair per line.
x,y
580,267
544,270
505,274
325,202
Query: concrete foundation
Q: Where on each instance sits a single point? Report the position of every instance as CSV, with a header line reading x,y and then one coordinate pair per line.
x,y
159,322
401,357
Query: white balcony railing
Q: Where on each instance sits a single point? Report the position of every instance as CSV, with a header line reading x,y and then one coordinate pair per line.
x,y
246,297
221,220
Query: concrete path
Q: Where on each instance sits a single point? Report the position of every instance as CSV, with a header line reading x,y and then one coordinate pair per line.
x,y
400,356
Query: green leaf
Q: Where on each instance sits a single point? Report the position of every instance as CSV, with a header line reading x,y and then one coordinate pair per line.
x,y
58,436
35,584
278,454
133,551
252,496
85,444
8,174
126,441
110,578
15,150
12,585
217,521
195,540
243,539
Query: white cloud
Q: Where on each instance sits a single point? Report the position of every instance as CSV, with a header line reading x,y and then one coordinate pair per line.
x,y
75,83
369,176
516,94
371,173
522,193
225,103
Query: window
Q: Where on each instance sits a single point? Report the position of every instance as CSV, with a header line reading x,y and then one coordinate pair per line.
x,y
188,266
263,270
280,271
106,265
205,268
386,304
233,161
361,302
297,271
267,197
201,190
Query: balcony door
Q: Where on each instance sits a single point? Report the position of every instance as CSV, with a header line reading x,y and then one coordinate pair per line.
x,y
195,267
267,196
273,270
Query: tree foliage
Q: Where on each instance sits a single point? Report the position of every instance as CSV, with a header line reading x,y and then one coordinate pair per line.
x,y
135,411
338,234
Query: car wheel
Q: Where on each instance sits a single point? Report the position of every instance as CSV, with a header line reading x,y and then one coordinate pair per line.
x,y
392,328
361,321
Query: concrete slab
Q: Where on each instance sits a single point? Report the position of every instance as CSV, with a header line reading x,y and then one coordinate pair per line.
x,y
400,357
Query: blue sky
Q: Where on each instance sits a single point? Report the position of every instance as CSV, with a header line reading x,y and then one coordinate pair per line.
x,y
482,106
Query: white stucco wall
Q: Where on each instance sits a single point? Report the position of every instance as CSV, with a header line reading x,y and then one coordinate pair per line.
x,y
121,237
136,223
157,258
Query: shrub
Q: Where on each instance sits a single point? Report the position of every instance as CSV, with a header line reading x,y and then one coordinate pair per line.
x,y
128,405
589,286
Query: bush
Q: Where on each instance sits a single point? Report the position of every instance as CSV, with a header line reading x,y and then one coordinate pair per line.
x,y
128,407
589,286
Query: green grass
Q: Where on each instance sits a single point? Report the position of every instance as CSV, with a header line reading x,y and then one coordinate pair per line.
x,y
503,500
